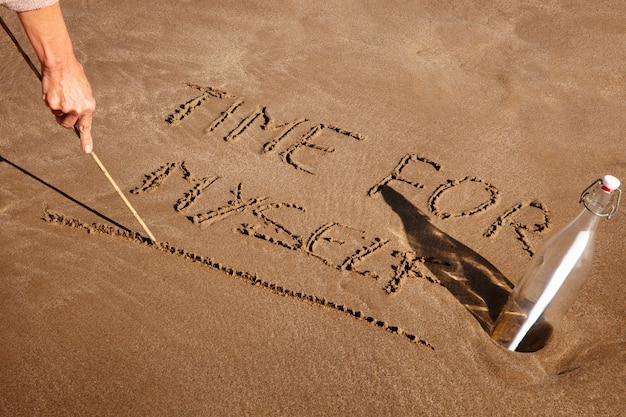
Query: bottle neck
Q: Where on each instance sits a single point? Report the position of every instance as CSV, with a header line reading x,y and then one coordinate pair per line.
x,y
597,205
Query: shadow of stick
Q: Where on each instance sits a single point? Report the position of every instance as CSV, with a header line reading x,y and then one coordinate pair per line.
x,y
469,277
69,197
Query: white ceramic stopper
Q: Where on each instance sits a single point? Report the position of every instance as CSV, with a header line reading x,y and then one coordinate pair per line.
x,y
610,182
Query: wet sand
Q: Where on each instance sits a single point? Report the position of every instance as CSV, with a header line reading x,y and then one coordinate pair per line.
x,y
343,196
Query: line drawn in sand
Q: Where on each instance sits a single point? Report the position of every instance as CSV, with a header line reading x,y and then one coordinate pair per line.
x,y
253,279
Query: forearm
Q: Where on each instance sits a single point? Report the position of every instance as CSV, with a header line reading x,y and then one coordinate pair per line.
x,y
48,35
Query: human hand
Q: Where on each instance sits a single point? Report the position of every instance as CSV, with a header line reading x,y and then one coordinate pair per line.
x,y
67,92
66,89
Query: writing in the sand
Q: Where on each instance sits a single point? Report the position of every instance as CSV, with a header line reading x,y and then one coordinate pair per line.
x,y
337,245
379,261
296,141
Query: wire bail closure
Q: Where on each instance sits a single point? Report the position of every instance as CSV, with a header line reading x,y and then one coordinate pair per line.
x,y
613,210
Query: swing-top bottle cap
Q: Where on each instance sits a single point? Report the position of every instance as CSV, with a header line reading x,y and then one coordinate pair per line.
x,y
610,183
606,206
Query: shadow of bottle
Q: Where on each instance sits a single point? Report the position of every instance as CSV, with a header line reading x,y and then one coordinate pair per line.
x,y
469,277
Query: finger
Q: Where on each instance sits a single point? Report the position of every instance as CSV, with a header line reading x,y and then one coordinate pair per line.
x,y
83,126
67,120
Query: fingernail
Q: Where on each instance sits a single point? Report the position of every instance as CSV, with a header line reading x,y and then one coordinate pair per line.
x,y
88,148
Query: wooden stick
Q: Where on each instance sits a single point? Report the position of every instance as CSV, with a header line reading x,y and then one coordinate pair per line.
x,y
130,207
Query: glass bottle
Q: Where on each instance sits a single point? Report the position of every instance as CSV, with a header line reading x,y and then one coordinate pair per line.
x,y
555,274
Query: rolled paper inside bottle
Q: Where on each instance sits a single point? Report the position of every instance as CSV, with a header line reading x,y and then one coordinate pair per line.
x,y
554,284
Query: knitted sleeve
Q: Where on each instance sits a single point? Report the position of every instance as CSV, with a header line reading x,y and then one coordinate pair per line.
x,y
26,5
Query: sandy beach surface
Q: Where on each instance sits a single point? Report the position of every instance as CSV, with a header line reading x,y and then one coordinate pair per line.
x,y
343,194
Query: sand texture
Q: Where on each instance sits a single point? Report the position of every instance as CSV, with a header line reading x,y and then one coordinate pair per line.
x,y
343,195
